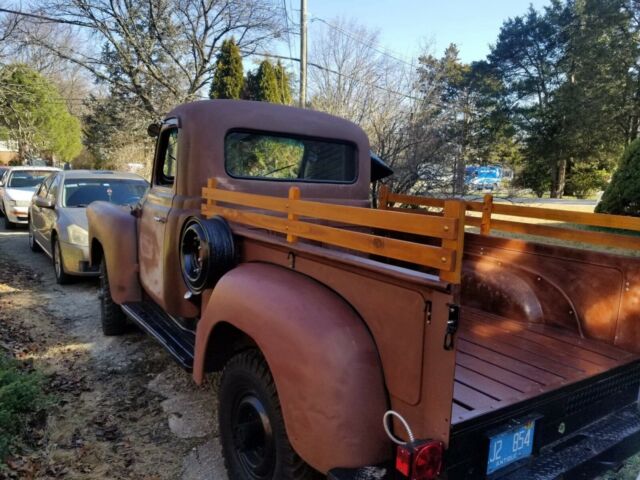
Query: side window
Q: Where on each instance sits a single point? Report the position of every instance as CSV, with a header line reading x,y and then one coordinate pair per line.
x,y
55,187
167,157
44,188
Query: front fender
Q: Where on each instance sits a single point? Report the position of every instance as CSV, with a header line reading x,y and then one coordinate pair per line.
x,y
114,229
323,360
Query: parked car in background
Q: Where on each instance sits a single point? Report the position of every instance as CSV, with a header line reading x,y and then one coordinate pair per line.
x,y
3,169
57,218
483,178
16,189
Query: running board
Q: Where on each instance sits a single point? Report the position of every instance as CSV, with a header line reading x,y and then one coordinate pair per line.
x,y
177,340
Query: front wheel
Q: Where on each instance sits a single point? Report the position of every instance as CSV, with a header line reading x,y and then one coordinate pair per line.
x,y
58,265
8,224
33,245
252,432
113,319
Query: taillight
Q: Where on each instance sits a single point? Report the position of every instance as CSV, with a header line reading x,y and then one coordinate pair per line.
x,y
427,461
420,460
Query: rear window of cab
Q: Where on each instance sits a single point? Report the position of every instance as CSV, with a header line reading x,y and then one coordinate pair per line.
x,y
267,156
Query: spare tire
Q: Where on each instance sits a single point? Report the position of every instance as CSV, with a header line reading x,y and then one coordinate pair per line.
x,y
207,251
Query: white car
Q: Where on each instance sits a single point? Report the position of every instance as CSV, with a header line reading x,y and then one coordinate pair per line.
x,y
16,189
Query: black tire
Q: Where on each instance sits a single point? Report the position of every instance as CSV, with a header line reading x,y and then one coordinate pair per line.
x,y
33,245
207,252
58,265
252,432
8,224
112,318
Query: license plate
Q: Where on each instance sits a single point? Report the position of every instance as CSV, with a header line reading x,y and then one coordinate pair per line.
x,y
510,446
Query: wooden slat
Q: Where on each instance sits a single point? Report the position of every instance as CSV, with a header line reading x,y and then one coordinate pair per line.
x,y
473,221
458,412
472,398
430,256
571,235
438,227
562,354
528,369
497,373
294,195
552,342
415,200
383,197
264,202
485,384
454,209
584,218
487,208
415,223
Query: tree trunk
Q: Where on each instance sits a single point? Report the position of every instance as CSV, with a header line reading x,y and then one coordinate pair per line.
x,y
558,179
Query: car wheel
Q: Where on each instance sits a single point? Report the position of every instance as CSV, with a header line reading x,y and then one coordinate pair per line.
x,y
252,432
112,318
33,245
58,266
8,224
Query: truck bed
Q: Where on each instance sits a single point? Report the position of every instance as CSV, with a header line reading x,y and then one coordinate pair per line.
x,y
501,361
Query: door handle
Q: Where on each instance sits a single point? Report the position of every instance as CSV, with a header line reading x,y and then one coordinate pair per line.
x,y
160,219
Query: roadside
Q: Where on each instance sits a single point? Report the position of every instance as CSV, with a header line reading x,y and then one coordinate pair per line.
x,y
123,409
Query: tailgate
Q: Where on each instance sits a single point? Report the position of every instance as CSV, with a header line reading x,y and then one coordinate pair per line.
x,y
573,424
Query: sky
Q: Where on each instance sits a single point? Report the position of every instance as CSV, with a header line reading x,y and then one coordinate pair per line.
x,y
405,25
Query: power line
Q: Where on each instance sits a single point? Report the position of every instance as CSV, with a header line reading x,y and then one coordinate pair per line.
x,y
361,41
335,72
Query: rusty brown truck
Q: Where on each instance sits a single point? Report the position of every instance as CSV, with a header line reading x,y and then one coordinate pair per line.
x,y
410,341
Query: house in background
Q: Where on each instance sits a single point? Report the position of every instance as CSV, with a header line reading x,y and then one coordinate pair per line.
x,y
8,151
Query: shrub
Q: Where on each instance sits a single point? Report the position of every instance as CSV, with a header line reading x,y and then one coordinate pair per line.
x,y
20,397
585,180
622,196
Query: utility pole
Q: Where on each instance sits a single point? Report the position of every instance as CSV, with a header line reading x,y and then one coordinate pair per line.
x,y
303,53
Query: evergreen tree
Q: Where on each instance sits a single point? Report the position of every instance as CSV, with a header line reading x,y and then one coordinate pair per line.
x,y
33,113
228,80
270,83
284,86
622,196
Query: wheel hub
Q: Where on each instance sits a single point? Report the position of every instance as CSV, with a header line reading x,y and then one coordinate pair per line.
x,y
253,438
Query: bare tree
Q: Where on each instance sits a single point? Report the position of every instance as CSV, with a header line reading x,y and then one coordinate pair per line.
x,y
354,78
156,52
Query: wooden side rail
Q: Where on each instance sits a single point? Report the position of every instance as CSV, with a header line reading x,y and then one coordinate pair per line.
x,y
297,219
489,209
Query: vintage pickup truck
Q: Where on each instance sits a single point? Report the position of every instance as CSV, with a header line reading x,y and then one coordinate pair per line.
x,y
342,330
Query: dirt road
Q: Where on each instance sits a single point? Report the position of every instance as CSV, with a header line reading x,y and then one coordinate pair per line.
x,y
123,409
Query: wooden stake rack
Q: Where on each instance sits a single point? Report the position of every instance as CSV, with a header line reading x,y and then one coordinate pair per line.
x,y
487,210
329,224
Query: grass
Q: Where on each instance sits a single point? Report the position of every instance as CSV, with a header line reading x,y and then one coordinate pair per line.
x,y
21,397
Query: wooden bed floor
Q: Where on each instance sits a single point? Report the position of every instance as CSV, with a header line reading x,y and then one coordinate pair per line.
x,y
500,362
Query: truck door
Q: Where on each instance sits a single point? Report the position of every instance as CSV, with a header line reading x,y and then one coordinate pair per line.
x,y
155,212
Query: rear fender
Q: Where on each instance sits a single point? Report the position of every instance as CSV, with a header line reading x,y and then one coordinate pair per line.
x,y
113,233
323,360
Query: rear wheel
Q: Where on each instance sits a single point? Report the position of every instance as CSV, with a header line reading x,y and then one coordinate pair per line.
x,y
58,265
33,245
254,440
8,224
113,319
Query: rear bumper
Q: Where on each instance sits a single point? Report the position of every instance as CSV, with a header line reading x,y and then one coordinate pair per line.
x,y
588,452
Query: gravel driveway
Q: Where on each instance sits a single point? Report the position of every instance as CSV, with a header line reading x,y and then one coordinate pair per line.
x,y
123,409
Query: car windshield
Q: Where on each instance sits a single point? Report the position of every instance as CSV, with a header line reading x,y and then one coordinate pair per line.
x,y
27,178
81,192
